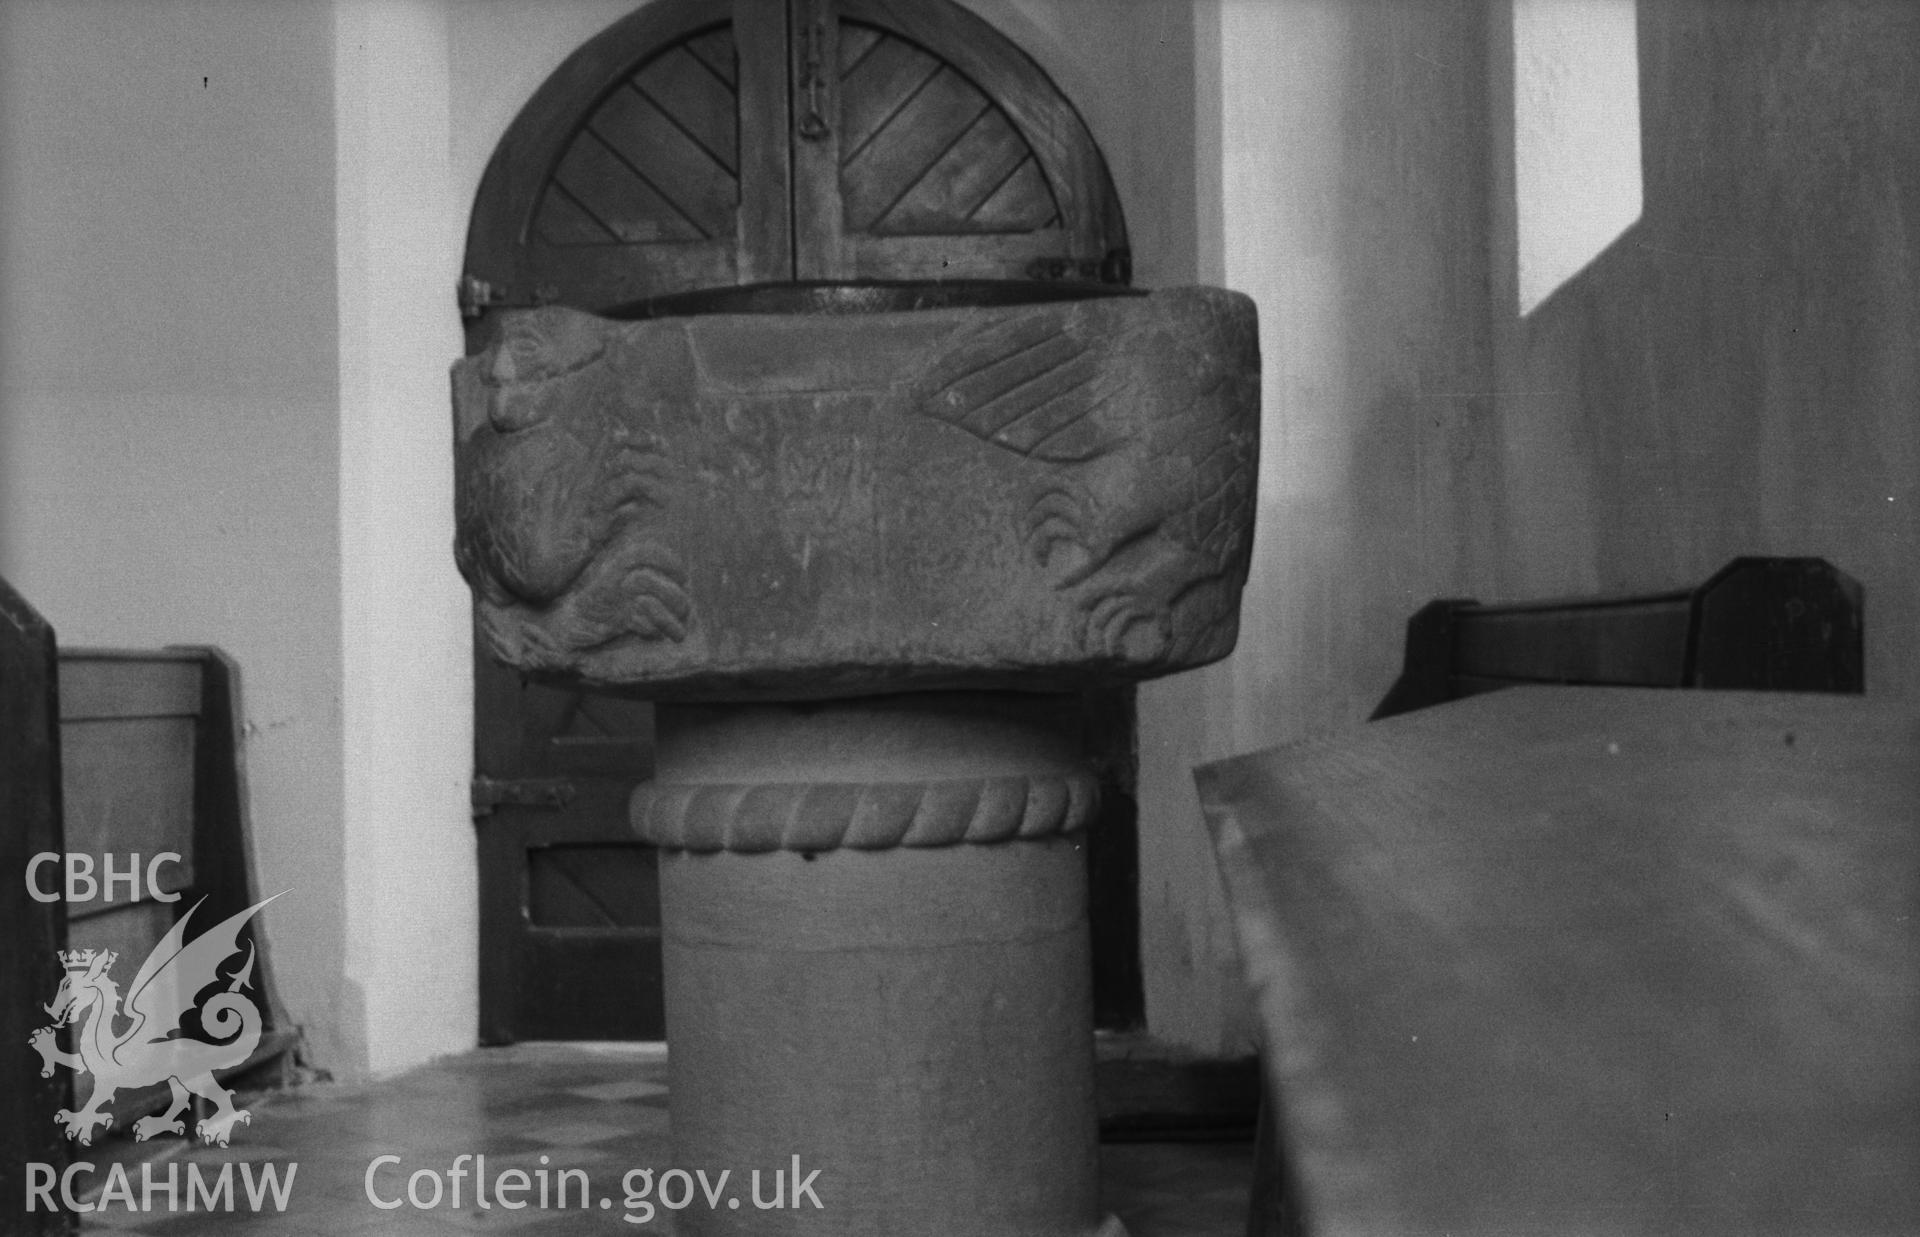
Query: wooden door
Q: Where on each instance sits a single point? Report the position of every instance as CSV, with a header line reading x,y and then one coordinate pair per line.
x,y
926,147
699,144
655,159
569,914
702,144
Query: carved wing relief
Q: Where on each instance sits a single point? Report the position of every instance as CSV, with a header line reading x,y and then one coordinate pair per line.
x,y
1025,386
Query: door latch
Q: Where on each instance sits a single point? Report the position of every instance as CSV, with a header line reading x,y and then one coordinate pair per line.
x,y
813,75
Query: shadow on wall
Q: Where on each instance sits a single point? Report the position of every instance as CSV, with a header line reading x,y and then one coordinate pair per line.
x,y
1738,372
1420,467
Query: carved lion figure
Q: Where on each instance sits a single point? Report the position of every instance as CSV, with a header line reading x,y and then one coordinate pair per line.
x,y
553,484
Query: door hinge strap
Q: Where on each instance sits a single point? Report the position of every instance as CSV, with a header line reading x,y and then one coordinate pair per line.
x,y
1115,268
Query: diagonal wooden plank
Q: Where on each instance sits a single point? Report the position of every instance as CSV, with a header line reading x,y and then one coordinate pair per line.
x,y
573,717
890,75
717,54
612,717
856,40
702,105
620,198
660,151
591,886
948,195
1024,203
916,137
998,185
562,221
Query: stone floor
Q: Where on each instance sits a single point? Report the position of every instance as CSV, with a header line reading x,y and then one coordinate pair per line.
x,y
540,1108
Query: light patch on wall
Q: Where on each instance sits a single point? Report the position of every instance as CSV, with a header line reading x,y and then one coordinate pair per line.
x,y
1576,133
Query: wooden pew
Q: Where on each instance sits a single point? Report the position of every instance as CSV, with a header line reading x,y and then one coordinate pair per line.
x,y
1588,960
152,755
1757,624
34,931
128,726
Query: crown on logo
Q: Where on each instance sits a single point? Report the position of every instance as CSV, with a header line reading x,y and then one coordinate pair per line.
x,y
82,959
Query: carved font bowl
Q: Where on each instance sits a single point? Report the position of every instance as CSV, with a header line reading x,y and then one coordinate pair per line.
x,y
737,506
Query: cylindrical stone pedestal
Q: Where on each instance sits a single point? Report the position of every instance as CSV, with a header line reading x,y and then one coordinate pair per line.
x,y
876,965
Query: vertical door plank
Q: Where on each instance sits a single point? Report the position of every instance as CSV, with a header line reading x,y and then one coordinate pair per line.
x,y
818,227
766,215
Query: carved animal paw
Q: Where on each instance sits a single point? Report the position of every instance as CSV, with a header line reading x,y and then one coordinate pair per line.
x,y
1054,531
638,587
640,475
1121,625
80,1124
219,1127
147,1127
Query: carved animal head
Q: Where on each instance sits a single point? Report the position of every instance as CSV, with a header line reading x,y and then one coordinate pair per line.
x,y
533,411
536,350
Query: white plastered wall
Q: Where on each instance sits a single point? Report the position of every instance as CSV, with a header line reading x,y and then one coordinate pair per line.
x,y
1341,174
169,440
411,901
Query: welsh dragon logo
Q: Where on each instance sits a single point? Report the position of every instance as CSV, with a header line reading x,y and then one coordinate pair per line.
x,y
151,1046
